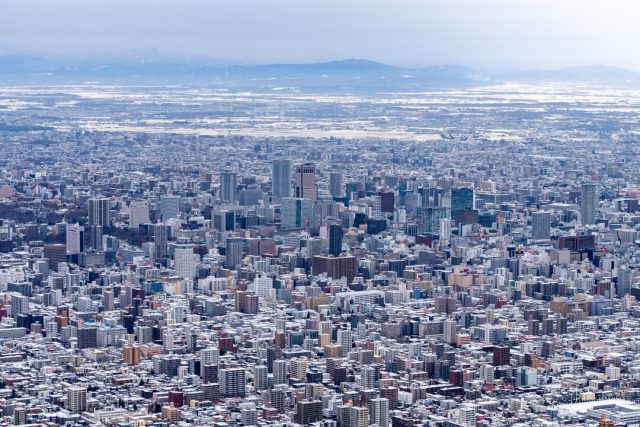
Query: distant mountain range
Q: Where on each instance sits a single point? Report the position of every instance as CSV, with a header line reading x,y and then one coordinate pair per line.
x,y
349,74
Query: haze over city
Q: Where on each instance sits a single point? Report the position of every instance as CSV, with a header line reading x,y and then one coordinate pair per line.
x,y
329,214
497,35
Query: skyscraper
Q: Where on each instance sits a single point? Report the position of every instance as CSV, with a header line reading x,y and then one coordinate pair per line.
x,y
94,233
540,224
335,184
296,213
228,187
305,178
461,199
428,218
588,203
335,239
233,251
159,232
281,178
99,211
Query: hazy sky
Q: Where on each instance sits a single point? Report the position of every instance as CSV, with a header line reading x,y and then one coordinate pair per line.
x,y
494,34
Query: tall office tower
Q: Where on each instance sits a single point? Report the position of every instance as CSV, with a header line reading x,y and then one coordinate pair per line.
x,y
138,213
232,382
75,238
445,231
461,199
296,213
184,260
335,239
77,399
379,411
169,206
588,203
160,232
540,223
99,211
450,335
281,178
428,218
335,184
224,220
233,251
280,371
94,240
305,178
228,187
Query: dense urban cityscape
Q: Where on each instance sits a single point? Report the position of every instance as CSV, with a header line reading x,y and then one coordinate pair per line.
x,y
176,274
214,213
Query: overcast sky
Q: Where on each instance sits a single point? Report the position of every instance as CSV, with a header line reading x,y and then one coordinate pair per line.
x,y
490,34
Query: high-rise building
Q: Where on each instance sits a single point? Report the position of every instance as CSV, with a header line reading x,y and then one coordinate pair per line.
x,y
159,232
501,355
540,225
352,416
280,370
169,206
461,199
450,331
138,213
224,220
233,251
444,231
94,237
281,178
260,377
387,201
296,213
335,267
428,219
232,382
379,411
335,184
335,239
99,211
305,178
77,399
228,187
55,253
308,412
75,238
184,260
588,203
